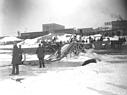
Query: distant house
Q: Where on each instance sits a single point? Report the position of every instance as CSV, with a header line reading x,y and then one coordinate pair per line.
x,y
86,31
47,28
118,25
31,35
65,31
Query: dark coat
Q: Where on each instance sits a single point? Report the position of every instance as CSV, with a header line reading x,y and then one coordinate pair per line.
x,y
15,56
20,54
40,52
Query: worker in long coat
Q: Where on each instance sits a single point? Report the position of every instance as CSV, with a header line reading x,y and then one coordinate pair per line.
x,y
59,45
40,54
15,60
20,54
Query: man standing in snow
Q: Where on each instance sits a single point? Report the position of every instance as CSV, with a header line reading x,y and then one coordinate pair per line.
x,y
40,54
20,54
59,49
15,60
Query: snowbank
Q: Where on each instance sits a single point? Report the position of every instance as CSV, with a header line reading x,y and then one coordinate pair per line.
x,y
92,79
64,38
30,43
114,38
6,46
9,39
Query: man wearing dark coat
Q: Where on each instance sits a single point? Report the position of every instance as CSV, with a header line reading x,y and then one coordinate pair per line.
x,y
40,54
15,60
20,54
59,45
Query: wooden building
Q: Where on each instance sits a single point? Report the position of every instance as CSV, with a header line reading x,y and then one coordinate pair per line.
x,y
31,35
86,31
65,31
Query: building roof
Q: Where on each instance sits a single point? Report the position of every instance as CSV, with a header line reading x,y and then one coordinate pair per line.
x,y
87,29
69,31
52,24
33,34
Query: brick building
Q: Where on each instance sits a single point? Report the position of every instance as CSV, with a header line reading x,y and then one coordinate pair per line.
x,y
118,25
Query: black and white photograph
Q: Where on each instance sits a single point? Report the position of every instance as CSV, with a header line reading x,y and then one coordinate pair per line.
x,y
63,47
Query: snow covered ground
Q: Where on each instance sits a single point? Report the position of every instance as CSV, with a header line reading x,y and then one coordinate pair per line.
x,y
66,77
8,39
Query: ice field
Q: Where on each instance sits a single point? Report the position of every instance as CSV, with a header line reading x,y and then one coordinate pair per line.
x,y
66,77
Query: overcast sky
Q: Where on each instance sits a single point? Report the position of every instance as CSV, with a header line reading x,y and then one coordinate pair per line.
x,y
29,15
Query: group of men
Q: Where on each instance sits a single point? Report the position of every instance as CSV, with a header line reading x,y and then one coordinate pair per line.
x,y
40,51
17,57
